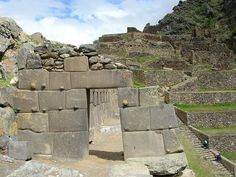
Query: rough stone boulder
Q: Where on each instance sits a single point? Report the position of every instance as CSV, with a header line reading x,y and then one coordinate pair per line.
x,y
38,38
170,164
9,32
129,170
35,168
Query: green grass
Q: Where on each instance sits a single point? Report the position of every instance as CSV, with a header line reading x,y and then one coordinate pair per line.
x,y
4,83
138,84
204,108
219,130
230,155
200,166
145,58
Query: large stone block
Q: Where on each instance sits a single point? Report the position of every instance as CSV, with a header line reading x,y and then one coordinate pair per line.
x,y
143,144
59,81
37,79
51,100
101,79
149,96
76,98
42,143
135,119
171,141
37,122
163,117
20,150
68,120
76,64
26,101
130,96
71,145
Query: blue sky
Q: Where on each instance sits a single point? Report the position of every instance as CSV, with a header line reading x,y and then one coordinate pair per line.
x,y
83,21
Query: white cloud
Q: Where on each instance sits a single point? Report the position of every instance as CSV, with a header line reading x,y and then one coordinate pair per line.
x,y
83,21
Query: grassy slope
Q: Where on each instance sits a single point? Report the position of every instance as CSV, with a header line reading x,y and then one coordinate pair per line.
x,y
230,155
219,131
201,167
202,108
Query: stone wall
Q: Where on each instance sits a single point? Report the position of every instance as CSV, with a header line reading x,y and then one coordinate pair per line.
x,y
148,129
223,142
203,98
53,107
208,119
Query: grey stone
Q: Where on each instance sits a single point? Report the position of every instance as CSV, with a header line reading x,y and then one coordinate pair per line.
x,y
142,144
71,145
20,150
101,79
129,170
171,141
68,120
5,44
121,66
22,54
135,119
59,81
33,79
51,100
33,61
65,55
97,66
9,28
85,48
38,38
59,63
7,122
53,55
42,143
128,95
90,54
48,62
6,95
110,66
170,164
36,122
76,98
76,64
4,140
94,60
149,96
38,169
105,60
163,117
25,101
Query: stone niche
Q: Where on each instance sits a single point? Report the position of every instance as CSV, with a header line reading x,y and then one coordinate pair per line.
x,y
52,107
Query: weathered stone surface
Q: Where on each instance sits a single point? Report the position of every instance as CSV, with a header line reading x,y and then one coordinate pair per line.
x,y
22,54
76,98
110,66
6,95
86,48
135,119
38,38
128,95
171,141
9,28
163,117
142,144
149,96
129,170
76,64
187,173
105,60
33,79
36,122
51,100
42,143
59,81
20,150
94,60
33,61
4,140
170,164
39,169
68,120
71,145
97,66
25,101
101,79
7,122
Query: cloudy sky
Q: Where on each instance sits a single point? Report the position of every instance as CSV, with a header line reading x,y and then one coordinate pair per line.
x,y
83,21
